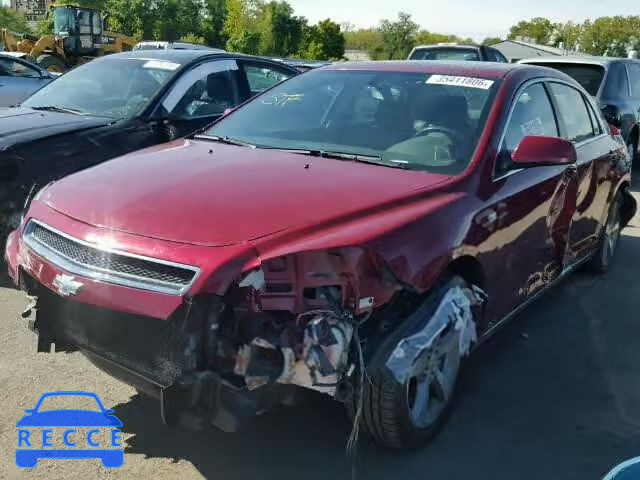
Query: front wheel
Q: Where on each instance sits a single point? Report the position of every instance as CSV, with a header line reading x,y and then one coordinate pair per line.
x,y
405,408
609,238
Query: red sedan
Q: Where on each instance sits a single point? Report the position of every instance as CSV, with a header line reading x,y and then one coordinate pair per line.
x,y
356,230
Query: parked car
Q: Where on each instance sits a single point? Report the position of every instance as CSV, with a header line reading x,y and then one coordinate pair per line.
x,y
114,105
452,51
381,217
304,65
157,45
19,78
613,82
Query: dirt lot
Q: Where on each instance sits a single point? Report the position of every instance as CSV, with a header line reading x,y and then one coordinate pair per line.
x,y
554,395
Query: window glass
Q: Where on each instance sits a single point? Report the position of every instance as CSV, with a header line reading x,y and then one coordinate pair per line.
x,y
498,55
597,128
207,90
14,68
588,76
409,120
634,76
573,112
464,54
109,87
97,23
263,76
532,115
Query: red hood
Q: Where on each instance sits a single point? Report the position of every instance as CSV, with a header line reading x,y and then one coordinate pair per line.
x,y
211,194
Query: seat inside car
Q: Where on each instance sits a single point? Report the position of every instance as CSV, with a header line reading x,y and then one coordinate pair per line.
x,y
220,95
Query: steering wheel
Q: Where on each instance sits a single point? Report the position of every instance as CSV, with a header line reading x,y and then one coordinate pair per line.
x,y
452,134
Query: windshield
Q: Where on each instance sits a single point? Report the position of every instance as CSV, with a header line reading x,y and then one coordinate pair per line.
x,y
112,87
588,76
64,20
461,54
410,120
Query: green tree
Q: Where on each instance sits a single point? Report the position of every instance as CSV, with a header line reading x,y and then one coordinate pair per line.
x,y
241,26
214,14
491,41
397,38
176,18
135,18
324,41
539,29
280,31
12,20
363,39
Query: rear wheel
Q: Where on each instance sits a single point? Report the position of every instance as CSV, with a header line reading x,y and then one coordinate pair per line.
x,y
51,63
609,238
407,414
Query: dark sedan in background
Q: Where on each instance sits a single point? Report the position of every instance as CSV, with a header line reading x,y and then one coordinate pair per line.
x,y
19,78
451,51
114,105
613,82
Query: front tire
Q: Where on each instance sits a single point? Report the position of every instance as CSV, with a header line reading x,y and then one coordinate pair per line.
x,y
608,243
406,415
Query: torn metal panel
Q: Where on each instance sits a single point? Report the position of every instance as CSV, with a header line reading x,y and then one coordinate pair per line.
x,y
455,309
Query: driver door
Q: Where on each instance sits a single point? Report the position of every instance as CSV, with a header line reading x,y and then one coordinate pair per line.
x,y
200,97
529,212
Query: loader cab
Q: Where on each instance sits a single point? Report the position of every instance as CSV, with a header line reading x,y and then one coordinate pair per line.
x,y
80,28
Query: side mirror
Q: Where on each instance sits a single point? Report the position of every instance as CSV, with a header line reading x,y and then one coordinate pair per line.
x,y
536,151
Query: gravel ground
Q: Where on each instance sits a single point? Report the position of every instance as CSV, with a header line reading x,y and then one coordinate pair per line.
x,y
554,395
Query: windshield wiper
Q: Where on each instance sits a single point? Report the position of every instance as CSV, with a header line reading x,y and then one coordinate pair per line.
x,y
353,157
226,140
52,108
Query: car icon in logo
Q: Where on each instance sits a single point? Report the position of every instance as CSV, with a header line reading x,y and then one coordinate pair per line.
x,y
33,445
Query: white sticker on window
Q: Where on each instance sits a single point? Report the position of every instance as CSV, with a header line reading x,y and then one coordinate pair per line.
x,y
532,127
161,65
470,82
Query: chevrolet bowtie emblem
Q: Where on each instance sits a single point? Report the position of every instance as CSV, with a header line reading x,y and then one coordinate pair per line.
x,y
67,285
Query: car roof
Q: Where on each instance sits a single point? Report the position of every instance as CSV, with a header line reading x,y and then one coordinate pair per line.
x,y
577,59
436,46
474,69
183,57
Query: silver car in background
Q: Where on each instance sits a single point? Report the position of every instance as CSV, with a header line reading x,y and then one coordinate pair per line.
x,y
19,78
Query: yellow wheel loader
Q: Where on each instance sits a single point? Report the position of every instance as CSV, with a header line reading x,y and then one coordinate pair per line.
x,y
79,36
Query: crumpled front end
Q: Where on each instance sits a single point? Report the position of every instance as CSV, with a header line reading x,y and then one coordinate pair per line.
x,y
215,333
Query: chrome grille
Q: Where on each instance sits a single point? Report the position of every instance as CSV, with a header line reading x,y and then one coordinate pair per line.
x,y
115,267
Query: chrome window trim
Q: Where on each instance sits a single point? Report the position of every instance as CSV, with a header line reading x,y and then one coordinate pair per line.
x,y
101,274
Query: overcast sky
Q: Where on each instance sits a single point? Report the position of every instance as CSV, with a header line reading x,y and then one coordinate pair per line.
x,y
467,18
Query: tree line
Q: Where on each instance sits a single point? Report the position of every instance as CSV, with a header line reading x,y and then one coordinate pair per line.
x,y
251,26
608,36
272,28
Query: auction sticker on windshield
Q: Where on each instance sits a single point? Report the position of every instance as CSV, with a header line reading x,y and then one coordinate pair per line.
x,y
69,433
161,65
453,80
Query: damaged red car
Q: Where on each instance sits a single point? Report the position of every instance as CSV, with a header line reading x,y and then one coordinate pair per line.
x,y
356,230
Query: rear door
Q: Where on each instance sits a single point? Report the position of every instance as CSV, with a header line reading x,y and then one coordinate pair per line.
x,y
580,124
530,209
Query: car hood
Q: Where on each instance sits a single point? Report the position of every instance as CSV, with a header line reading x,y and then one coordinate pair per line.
x,y
211,194
23,125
